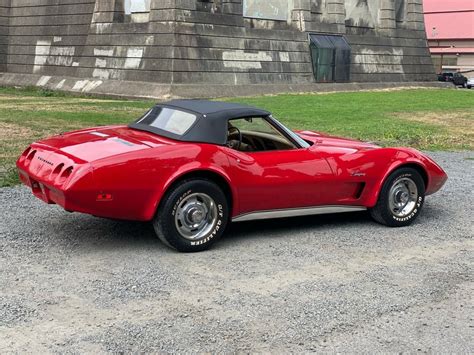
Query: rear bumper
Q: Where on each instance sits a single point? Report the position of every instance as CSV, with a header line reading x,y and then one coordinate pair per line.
x,y
72,199
56,178
83,196
43,191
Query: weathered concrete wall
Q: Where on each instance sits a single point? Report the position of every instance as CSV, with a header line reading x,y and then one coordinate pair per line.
x,y
387,37
215,43
48,36
193,41
4,29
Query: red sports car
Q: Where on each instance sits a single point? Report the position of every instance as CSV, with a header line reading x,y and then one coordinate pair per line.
x,y
193,166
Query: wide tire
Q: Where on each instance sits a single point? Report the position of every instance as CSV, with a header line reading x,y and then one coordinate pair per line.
x,y
192,216
401,198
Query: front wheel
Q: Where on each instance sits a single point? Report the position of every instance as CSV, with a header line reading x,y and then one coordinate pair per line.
x,y
401,198
192,216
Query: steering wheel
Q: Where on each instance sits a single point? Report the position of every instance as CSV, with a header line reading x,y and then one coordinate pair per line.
x,y
238,134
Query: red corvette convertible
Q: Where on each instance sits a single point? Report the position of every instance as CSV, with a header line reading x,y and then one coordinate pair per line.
x,y
193,166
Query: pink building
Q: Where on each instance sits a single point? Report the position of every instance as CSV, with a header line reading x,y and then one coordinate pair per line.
x,y
450,32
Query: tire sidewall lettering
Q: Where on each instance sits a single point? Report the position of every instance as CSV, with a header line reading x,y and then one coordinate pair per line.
x,y
182,197
215,230
419,203
211,235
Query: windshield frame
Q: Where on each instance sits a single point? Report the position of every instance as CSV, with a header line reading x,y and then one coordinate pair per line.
x,y
295,138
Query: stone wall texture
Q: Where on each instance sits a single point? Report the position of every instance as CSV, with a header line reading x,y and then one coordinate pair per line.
x,y
193,41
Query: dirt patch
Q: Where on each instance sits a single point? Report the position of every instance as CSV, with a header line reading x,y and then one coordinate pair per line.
x,y
457,126
456,122
65,106
32,103
16,98
10,131
63,99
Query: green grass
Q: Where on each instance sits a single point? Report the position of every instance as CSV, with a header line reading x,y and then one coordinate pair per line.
x,y
429,119
425,119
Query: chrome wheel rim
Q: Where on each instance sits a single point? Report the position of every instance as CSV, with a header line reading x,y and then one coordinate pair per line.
x,y
403,197
196,216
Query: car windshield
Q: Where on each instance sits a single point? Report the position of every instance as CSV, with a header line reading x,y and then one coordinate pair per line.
x,y
170,120
297,138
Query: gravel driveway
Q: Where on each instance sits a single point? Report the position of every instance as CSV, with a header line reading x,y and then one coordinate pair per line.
x,y
75,283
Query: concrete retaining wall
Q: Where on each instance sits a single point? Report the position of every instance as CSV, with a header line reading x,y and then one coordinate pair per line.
x,y
209,42
4,29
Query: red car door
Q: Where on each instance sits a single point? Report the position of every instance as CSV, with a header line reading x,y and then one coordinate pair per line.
x,y
284,179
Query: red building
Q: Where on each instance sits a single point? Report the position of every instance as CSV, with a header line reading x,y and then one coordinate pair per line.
x,y
450,32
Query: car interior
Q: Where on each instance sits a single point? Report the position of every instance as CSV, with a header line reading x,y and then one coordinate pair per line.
x,y
256,134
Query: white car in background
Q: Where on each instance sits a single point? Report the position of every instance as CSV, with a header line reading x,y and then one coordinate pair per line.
x,y
470,83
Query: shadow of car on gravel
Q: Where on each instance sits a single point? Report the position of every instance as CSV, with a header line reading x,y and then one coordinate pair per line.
x,y
110,234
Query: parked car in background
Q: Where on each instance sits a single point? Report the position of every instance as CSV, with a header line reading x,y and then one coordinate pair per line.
x,y
456,78
459,80
445,76
470,83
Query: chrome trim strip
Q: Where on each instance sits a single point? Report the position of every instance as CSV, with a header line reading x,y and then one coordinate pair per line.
x,y
294,212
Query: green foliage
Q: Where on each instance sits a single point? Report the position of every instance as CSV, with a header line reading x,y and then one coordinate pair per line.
x,y
419,118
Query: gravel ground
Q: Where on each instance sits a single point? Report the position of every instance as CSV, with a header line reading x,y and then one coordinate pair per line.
x,y
339,283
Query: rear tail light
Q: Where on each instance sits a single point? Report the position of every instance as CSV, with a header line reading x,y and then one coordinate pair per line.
x,y
56,171
64,175
30,155
25,153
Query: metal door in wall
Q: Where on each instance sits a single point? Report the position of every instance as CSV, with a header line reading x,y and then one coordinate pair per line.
x,y
331,58
322,55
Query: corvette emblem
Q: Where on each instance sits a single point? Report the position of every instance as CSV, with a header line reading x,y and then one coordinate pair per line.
x,y
45,161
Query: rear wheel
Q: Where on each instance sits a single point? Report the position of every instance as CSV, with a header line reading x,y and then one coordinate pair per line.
x,y
401,198
192,216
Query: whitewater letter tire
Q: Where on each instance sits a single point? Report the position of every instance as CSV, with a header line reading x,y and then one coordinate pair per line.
x,y
192,216
401,198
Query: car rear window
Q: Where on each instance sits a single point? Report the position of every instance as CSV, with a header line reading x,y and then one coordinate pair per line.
x,y
170,120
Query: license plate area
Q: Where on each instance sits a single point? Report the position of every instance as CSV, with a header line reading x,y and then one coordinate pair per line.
x,y
40,191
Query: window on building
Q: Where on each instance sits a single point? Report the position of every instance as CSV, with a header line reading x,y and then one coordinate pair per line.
x,y
331,58
267,10
212,6
318,6
444,62
137,10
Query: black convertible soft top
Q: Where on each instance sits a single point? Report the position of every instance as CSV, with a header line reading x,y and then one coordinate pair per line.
x,y
211,123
